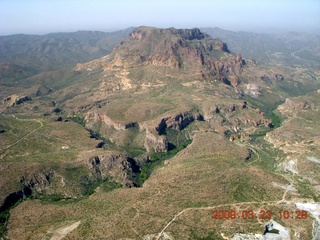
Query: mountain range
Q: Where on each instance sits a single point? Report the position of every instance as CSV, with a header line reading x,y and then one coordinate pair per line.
x,y
143,133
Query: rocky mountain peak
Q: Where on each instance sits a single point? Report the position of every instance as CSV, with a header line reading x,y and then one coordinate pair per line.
x,y
172,35
190,51
190,34
175,48
185,34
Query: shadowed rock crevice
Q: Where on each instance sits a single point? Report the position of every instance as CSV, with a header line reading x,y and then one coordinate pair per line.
x,y
15,197
178,122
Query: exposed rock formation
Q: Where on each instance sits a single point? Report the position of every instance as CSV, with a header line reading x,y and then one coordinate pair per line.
x,y
234,119
59,119
155,142
276,77
178,122
222,70
253,90
44,90
94,116
229,108
118,167
293,104
15,100
39,182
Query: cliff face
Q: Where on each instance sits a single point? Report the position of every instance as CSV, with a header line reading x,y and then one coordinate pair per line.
x,y
179,49
117,167
178,122
93,117
155,142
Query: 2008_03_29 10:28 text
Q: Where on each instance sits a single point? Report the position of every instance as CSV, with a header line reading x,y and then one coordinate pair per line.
x,y
263,214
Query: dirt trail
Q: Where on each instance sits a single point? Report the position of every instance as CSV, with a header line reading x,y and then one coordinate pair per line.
x,y
15,143
60,233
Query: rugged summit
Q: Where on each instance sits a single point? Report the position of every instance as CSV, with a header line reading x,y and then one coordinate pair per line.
x,y
192,52
176,48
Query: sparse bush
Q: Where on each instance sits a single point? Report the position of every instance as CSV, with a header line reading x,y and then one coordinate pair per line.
x,y
57,110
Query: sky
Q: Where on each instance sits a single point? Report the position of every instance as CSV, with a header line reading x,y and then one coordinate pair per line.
x,y
47,16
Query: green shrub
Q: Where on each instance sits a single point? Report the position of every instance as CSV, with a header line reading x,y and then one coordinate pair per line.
x,y
276,120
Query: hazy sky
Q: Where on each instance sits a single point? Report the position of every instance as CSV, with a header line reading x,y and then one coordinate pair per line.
x,y
45,16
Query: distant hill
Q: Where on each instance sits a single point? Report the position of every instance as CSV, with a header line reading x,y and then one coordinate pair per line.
x,y
13,71
63,50
301,47
58,50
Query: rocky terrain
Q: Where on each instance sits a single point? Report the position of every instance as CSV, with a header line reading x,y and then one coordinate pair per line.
x,y
171,124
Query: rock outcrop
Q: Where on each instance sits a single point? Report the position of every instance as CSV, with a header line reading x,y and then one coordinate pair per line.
x,y
235,119
13,198
44,90
117,167
223,70
294,104
40,182
178,122
253,90
15,100
94,116
155,142
276,77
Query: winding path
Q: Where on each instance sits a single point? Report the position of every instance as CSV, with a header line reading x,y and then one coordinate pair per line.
x,y
24,137
293,54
